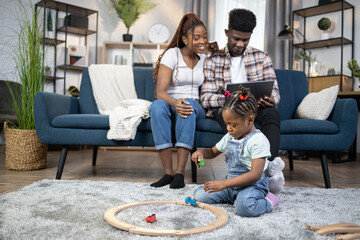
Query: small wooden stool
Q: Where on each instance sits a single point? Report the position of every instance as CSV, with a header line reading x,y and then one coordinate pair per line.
x,y
351,230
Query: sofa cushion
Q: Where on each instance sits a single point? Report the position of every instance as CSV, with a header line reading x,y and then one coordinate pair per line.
x,y
209,125
145,125
91,121
306,126
292,89
318,105
82,121
144,83
87,104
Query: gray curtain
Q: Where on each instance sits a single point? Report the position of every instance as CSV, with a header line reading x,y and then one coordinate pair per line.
x,y
278,14
205,10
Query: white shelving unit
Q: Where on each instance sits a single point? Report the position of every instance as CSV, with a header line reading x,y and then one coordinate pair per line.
x,y
132,53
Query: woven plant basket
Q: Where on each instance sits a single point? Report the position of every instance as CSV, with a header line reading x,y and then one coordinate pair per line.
x,y
23,150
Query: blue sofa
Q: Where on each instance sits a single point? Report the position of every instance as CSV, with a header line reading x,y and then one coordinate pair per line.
x,y
69,121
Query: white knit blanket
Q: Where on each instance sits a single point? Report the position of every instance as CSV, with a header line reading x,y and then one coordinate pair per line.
x,y
125,118
115,95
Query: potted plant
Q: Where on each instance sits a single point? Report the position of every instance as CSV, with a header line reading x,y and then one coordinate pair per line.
x,y
47,71
324,24
129,11
331,71
312,64
355,70
23,149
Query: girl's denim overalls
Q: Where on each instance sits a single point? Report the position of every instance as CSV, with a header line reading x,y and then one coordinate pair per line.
x,y
250,200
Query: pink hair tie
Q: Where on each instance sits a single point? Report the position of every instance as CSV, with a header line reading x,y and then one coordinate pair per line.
x,y
227,94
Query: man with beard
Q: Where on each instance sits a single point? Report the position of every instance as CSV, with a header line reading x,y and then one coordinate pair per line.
x,y
235,63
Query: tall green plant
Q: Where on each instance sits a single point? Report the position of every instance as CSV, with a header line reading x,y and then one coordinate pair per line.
x,y
28,56
130,10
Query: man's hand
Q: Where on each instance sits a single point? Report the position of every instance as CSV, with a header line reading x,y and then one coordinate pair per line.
x,y
183,108
214,186
266,102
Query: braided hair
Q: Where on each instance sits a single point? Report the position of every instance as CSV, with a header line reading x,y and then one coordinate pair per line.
x,y
242,101
187,24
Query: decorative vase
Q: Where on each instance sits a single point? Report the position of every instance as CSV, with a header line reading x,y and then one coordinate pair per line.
x,y
50,33
356,86
314,69
324,35
331,72
23,150
127,37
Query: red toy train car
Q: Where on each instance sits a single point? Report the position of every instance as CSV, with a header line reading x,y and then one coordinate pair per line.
x,y
151,218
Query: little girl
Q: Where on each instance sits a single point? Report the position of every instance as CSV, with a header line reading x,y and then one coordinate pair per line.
x,y
246,150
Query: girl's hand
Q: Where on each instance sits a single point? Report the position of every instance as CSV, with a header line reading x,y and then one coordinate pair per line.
x,y
183,107
214,186
196,156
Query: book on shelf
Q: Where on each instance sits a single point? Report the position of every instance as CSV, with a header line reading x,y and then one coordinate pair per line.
x,y
119,60
143,57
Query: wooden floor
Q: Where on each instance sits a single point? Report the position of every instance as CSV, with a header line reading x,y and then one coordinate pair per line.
x,y
139,165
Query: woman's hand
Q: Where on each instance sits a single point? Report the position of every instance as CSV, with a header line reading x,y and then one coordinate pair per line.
x,y
214,186
183,107
212,47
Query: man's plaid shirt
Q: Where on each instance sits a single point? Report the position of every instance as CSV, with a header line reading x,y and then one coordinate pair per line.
x,y
217,73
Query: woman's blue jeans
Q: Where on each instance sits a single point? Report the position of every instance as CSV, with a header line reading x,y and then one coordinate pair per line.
x,y
164,118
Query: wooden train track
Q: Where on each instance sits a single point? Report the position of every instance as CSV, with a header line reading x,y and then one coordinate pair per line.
x,y
110,217
349,230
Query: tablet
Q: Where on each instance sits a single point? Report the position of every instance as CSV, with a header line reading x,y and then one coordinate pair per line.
x,y
257,88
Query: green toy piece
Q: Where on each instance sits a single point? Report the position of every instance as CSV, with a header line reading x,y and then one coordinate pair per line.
x,y
201,163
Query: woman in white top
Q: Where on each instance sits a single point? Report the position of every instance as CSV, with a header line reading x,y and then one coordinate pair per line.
x,y
178,75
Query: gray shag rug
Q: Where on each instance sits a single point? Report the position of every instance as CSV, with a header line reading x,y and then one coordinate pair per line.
x,y
71,209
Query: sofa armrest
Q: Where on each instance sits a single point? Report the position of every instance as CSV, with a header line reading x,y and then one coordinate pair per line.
x,y
345,115
47,106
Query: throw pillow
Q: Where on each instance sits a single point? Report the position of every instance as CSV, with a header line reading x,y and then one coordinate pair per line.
x,y
318,105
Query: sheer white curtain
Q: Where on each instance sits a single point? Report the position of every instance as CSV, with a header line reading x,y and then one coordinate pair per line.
x,y
222,9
